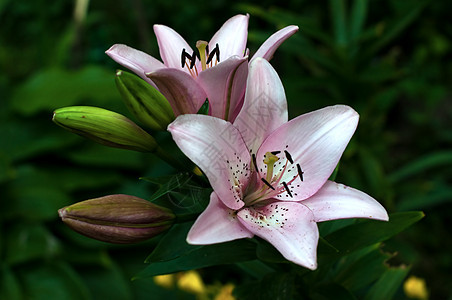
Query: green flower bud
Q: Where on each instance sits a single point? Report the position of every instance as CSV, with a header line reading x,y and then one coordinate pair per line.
x,y
105,127
119,219
145,102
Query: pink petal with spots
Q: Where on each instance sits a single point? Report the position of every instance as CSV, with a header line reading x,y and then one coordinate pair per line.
x,y
265,105
219,151
337,201
289,227
311,146
225,85
216,224
135,60
181,90
231,37
171,45
268,48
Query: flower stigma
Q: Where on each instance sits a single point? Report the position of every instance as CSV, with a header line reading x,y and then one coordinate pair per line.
x,y
205,57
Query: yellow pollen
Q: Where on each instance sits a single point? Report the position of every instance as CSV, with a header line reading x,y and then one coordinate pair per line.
x,y
270,160
202,45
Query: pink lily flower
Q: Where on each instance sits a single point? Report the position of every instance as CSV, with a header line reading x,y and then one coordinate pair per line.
x,y
270,175
218,73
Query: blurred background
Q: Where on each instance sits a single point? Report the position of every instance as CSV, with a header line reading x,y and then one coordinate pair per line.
x,y
388,59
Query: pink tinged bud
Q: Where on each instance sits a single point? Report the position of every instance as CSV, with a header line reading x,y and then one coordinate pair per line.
x,y
118,219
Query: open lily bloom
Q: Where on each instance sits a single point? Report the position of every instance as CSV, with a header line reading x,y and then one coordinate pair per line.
x,y
218,71
270,175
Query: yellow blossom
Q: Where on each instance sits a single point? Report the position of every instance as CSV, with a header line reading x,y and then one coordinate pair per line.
x,y
166,281
226,292
191,282
415,288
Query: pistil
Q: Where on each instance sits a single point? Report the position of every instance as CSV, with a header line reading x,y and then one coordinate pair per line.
x,y
202,45
270,159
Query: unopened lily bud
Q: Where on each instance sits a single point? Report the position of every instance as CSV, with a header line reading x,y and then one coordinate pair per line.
x,y
144,101
105,127
119,219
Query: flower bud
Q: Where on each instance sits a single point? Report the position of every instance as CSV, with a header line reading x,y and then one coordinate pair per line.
x,y
119,219
144,101
105,127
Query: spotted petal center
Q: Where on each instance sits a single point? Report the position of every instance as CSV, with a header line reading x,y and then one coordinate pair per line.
x,y
278,177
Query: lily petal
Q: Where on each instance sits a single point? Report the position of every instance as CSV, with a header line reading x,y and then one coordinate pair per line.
x,y
337,201
180,89
216,224
171,45
312,145
225,86
231,37
289,227
265,106
135,60
217,148
268,48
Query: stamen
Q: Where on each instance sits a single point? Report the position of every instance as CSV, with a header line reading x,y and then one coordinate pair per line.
x,y
211,55
287,189
288,156
253,156
193,60
268,184
275,152
215,52
182,58
218,52
300,172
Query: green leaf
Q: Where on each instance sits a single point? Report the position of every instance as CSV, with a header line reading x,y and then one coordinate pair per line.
x,y
275,285
357,17
362,271
438,195
388,284
204,109
255,268
332,291
368,232
98,155
206,256
107,283
339,19
395,29
9,286
55,280
39,201
86,256
266,252
173,244
51,88
422,164
26,242
25,139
